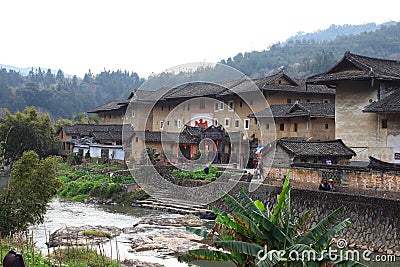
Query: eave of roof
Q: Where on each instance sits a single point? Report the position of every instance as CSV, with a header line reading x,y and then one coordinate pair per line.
x,y
363,68
390,104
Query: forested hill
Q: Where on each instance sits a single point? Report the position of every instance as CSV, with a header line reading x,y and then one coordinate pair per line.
x,y
60,96
63,96
303,58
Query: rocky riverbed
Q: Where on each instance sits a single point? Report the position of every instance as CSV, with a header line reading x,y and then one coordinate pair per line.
x,y
164,236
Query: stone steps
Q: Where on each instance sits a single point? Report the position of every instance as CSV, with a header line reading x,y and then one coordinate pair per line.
x,y
175,206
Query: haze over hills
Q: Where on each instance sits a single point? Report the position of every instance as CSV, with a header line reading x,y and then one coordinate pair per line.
x,y
301,56
338,30
305,57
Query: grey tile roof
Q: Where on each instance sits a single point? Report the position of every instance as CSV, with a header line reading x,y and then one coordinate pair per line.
x,y
375,163
295,85
301,148
198,89
390,104
195,90
189,135
112,132
297,110
357,67
110,106
158,136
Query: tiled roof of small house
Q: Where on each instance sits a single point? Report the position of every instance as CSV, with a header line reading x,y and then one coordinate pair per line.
x,y
271,84
302,148
157,136
189,135
357,67
375,163
112,132
297,110
390,104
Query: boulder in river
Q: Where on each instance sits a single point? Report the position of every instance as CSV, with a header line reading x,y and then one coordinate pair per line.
x,y
82,235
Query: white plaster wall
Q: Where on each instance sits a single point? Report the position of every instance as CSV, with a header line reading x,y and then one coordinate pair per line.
x,y
356,128
95,152
118,154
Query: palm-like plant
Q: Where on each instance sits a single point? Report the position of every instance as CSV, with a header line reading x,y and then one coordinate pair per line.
x,y
252,235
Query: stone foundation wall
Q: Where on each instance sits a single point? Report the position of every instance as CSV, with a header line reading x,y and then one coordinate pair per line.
x,y
376,221
355,178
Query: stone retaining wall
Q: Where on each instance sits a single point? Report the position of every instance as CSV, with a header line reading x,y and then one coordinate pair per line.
x,y
388,182
376,222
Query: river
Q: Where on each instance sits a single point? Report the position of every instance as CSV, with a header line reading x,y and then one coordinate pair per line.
x,y
63,213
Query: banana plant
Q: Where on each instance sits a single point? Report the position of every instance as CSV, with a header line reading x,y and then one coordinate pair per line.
x,y
252,235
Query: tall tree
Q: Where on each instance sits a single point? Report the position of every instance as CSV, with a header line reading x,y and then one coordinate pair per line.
x,y
60,75
32,185
27,130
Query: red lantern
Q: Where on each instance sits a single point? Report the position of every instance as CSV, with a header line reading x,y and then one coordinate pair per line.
x,y
184,146
217,142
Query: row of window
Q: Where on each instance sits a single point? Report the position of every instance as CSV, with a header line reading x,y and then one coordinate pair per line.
x,y
295,127
227,123
177,123
289,100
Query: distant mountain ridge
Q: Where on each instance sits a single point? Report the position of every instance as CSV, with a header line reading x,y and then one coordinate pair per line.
x,y
303,57
25,71
338,30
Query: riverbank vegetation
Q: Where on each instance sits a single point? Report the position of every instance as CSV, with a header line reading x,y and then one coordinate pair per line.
x,y
198,174
71,256
108,182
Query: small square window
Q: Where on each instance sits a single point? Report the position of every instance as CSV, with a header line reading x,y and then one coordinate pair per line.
x,y
326,101
281,127
246,124
384,123
216,107
295,127
221,106
133,113
231,105
267,126
326,126
179,123
226,122
236,123
161,124
188,106
241,103
288,100
167,123
215,122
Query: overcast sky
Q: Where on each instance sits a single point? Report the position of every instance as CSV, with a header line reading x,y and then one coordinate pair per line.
x,y
150,36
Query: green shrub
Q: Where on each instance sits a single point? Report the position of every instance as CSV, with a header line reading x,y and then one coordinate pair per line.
x,y
93,233
79,198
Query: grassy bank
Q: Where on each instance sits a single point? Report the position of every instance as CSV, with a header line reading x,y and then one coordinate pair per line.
x,y
99,181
